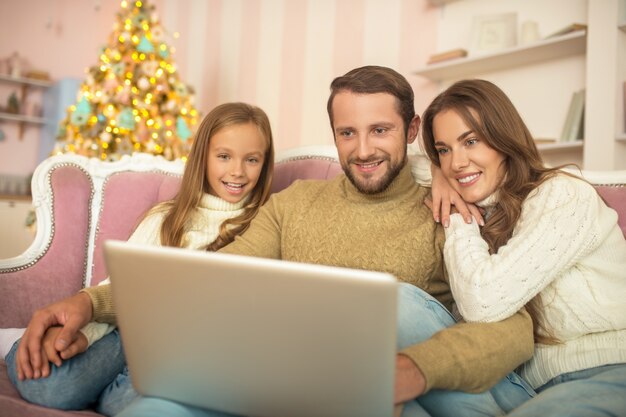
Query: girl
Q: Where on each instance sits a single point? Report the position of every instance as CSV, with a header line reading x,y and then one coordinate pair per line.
x,y
227,178
548,243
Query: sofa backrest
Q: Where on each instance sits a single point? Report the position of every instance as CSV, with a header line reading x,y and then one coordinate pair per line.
x,y
81,202
611,185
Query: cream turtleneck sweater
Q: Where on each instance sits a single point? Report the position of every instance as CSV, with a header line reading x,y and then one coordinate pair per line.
x,y
202,229
567,247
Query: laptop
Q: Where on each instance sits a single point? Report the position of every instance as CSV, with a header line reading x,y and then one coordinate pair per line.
x,y
253,336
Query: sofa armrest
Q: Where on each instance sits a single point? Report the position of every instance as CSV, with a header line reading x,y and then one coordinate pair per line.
x,y
54,265
72,197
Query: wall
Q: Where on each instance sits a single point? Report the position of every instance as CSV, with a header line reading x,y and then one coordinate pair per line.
x,y
278,54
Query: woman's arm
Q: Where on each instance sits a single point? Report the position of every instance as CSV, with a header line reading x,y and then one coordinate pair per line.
x,y
445,201
556,228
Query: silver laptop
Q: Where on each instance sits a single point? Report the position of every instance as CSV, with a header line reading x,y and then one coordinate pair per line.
x,y
255,337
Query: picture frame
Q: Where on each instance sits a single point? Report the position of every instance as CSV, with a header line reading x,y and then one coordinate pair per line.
x,y
492,33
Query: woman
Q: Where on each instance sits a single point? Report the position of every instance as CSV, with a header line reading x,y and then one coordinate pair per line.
x,y
548,243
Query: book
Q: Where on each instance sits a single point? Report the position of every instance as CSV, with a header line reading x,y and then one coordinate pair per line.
x,y
545,141
574,122
446,55
572,27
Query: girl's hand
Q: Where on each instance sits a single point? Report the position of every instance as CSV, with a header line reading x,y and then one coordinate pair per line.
x,y
445,201
52,355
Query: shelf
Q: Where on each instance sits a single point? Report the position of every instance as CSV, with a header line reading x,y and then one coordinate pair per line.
x,y
22,118
621,137
563,46
438,3
26,81
560,146
15,197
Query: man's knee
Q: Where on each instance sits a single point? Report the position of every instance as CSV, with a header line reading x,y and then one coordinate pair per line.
x,y
60,390
419,316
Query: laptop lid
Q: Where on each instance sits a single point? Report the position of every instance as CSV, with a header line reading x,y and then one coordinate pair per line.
x,y
253,336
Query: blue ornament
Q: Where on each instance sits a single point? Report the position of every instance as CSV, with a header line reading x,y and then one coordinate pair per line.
x,y
126,119
79,119
145,46
164,51
118,69
182,130
101,118
83,106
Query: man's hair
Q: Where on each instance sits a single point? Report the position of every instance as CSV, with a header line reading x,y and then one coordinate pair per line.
x,y
371,80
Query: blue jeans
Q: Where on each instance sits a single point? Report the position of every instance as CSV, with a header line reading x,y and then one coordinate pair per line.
x,y
95,378
594,392
419,317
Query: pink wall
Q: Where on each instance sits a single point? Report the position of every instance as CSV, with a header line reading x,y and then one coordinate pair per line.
x,y
278,54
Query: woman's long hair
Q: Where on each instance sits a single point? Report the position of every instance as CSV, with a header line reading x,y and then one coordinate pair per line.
x,y
195,182
492,116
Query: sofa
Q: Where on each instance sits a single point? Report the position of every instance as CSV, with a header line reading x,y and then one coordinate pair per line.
x,y
80,203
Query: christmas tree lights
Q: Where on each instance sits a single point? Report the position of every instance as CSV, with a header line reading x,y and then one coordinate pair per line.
x,y
133,100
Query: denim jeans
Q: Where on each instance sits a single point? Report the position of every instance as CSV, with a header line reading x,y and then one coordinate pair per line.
x,y
95,378
594,392
419,317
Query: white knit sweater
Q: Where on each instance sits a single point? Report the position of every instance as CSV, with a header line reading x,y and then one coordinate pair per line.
x,y
566,246
203,228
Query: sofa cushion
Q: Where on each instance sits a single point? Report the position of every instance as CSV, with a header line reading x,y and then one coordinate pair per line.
x,y
615,197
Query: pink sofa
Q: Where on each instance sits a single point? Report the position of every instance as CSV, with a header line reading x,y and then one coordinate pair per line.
x,y
81,202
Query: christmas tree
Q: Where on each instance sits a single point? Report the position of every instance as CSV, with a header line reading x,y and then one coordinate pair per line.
x,y
133,100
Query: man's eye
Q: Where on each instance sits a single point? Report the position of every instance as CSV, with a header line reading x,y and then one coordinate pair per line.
x,y
380,130
346,133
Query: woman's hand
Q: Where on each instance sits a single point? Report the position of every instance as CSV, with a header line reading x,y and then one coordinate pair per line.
x,y
446,201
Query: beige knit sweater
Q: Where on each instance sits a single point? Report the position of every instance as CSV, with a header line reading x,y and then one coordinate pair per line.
x,y
332,223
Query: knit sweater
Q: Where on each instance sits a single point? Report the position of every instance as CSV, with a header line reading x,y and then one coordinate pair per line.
x,y
332,223
567,247
202,229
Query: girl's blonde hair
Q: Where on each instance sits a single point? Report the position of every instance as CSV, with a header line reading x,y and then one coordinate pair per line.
x,y
490,114
195,182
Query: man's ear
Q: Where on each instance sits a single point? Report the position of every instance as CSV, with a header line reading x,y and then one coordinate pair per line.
x,y
414,127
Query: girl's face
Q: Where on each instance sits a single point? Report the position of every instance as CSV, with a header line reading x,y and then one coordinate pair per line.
x,y
235,160
473,168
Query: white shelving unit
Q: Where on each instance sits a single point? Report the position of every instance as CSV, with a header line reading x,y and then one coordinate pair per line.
x,y
601,49
24,84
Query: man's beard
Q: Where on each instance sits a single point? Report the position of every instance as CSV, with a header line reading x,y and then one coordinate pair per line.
x,y
370,187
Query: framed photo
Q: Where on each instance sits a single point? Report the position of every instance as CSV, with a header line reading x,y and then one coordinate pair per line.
x,y
491,33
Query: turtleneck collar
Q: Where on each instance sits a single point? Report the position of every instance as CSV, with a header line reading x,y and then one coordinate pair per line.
x,y
402,184
488,204
215,203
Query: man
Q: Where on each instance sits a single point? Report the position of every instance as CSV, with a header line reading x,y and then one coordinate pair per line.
x,y
373,217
